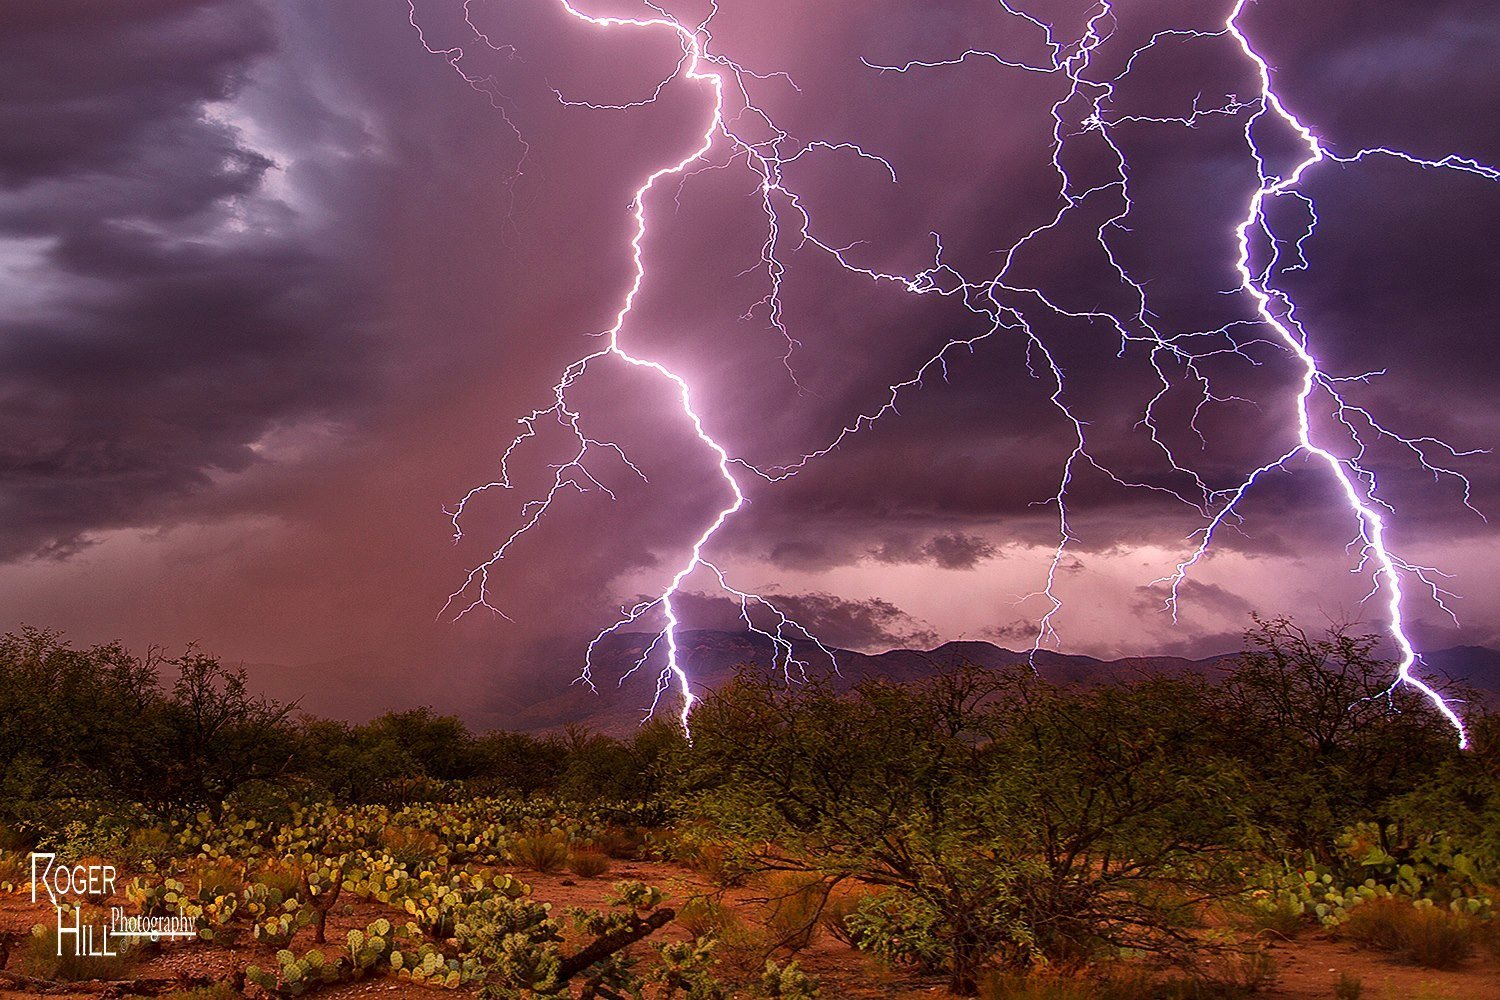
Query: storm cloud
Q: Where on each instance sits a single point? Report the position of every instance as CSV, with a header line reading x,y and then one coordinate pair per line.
x,y
278,281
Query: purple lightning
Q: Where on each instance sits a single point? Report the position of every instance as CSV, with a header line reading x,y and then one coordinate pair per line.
x,y
691,67
1002,305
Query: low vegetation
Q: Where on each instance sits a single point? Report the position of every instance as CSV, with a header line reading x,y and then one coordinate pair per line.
x,y
1133,839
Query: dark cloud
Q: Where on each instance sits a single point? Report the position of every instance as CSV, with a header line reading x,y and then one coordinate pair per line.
x,y
953,550
869,625
278,282
1018,634
1201,645
1196,597
182,312
88,85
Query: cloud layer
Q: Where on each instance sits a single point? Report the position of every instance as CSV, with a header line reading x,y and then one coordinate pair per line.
x,y
278,281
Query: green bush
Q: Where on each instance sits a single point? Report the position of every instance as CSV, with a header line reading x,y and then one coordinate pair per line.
x,y
788,982
901,928
1010,820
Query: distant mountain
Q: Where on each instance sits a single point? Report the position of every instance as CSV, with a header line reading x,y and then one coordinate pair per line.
x,y
358,688
711,659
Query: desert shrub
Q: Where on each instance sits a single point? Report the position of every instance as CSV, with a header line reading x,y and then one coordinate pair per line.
x,y
598,767
147,846
12,839
218,877
1322,737
793,910
218,991
1460,800
621,842
835,916
42,960
14,870
72,721
520,763
441,745
1348,987
1070,984
412,847
706,916
787,982
588,863
1011,821
1421,933
902,929
540,851
281,874
220,736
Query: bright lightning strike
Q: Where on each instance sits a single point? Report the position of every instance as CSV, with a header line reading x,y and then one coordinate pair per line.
x,y
1083,114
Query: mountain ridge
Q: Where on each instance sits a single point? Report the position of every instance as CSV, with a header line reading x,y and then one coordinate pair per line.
x,y
356,688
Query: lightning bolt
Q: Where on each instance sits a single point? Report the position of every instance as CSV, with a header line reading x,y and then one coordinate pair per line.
x,y
1085,112
699,66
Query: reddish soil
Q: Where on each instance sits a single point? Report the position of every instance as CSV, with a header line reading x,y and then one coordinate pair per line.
x,y
1307,966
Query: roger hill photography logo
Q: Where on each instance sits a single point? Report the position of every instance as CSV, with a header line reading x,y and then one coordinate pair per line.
x,y
70,887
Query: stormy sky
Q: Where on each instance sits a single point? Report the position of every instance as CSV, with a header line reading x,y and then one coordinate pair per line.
x,y
278,280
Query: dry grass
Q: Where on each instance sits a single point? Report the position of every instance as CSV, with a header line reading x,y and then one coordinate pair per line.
x,y
1489,934
540,852
1069,984
149,843
793,910
215,877
1348,987
588,862
411,846
835,915
1226,975
708,856
13,867
218,991
621,843
42,960
94,861
742,949
1283,920
1425,935
713,862
704,915
278,874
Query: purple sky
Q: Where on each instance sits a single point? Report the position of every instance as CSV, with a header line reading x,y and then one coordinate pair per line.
x,y
278,282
